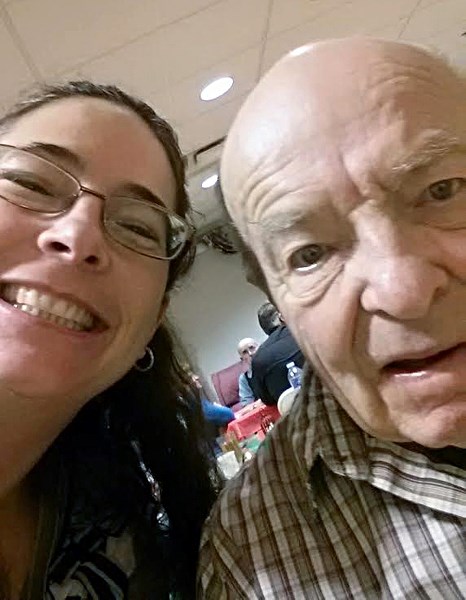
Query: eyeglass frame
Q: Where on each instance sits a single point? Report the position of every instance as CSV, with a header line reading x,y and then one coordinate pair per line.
x,y
84,189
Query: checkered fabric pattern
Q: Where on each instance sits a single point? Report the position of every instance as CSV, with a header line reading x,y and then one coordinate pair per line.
x,y
326,511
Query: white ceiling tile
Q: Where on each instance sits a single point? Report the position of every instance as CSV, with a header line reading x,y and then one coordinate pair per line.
x,y
174,53
447,15
215,34
350,18
363,16
60,34
424,3
393,31
450,45
287,14
184,102
140,67
16,75
209,126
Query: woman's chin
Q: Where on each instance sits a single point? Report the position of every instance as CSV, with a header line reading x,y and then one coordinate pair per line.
x,y
41,380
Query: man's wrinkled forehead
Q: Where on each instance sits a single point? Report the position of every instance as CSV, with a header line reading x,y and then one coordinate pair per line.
x,y
315,98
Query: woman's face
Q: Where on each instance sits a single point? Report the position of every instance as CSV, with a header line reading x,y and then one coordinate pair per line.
x,y
66,264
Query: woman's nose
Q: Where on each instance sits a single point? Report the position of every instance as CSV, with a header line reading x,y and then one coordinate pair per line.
x,y
77,236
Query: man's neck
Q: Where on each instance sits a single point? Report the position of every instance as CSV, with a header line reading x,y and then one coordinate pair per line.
x,y
449,455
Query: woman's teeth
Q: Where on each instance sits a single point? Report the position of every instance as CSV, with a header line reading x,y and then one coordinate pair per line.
x,y
56,310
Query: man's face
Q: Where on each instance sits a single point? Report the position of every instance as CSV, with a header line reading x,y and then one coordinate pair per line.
x,y
246,350
355,205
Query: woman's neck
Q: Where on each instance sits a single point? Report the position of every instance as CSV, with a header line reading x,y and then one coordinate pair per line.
x,y
28,426
18,524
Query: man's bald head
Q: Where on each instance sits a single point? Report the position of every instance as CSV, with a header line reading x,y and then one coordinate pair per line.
x,y
306,90
247,348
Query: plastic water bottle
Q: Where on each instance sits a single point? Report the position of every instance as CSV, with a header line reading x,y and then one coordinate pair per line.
x,y
294,375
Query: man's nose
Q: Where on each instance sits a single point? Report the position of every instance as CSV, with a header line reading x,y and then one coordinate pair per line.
x,y
402,276
77,236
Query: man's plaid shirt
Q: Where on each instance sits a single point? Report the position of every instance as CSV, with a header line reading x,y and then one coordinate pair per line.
x,y
326,511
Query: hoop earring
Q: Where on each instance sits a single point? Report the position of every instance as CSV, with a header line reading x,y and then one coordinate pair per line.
x,y
149,358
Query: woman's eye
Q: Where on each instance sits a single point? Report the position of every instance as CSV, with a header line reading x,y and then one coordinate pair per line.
x,y
142,231
27,182
308,257
444,189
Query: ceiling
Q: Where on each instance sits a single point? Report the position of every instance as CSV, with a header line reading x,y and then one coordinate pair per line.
x,y
166,50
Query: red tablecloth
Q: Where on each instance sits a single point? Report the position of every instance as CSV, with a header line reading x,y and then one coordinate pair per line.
x,y
249,420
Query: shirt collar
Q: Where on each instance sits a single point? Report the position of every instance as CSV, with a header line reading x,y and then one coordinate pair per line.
x,y
320,428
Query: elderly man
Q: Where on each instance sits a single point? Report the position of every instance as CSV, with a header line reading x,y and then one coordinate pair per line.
x,y
247,347
345,173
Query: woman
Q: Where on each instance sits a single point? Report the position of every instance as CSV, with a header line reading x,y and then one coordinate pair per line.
x,y
104,478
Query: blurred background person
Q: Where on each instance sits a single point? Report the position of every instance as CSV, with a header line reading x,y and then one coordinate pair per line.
x,y
216,416
269,372
247,347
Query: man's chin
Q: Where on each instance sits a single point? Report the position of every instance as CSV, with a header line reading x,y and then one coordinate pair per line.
x,y
436,431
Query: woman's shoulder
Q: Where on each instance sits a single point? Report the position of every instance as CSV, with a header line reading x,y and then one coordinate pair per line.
x,y
92,565
79,554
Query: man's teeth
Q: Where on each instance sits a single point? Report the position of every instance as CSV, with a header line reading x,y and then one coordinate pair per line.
x,y
56,310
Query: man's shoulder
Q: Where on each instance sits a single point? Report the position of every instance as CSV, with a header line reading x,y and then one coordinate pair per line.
x,y
263,483
267,347
279,341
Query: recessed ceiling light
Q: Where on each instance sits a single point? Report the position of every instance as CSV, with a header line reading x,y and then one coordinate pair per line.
x,y
216,88
210,181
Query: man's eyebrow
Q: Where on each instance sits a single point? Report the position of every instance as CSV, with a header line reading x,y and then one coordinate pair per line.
x,y
280,222
436,147
433,148
53,151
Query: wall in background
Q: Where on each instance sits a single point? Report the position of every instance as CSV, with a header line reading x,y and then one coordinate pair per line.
x,y
215,308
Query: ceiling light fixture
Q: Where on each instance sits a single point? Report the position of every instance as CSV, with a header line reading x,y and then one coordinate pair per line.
x,y
216,88
210,181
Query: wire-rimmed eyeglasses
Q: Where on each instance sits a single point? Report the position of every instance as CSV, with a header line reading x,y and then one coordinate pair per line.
x,y
37,184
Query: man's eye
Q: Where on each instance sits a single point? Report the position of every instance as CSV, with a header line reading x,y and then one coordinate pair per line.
x,y
308,257
444,189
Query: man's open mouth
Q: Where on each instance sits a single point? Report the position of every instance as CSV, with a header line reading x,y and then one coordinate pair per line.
x,y
415,365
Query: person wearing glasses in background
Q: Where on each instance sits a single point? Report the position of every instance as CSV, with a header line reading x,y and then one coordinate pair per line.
x,y
98,449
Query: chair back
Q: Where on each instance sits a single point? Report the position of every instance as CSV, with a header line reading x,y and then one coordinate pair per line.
x,y
225,383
